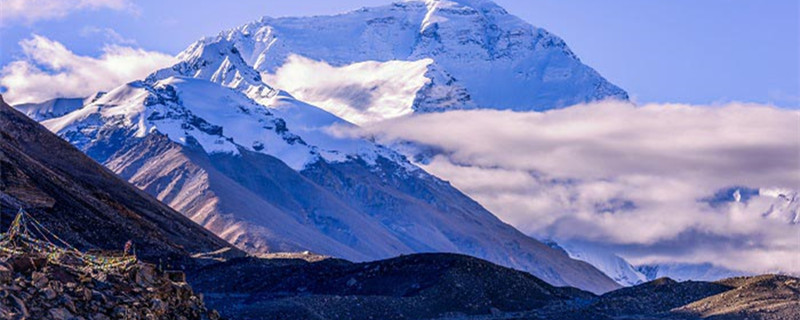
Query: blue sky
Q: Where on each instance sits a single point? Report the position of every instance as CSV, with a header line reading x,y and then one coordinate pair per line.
x,y
700,52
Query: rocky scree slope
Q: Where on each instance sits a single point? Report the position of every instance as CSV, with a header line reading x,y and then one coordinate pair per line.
x,y
33,288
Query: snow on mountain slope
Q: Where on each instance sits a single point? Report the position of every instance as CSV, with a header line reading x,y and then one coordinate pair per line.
x,y
218,62
476,55
190,112
621,271
614,266
275,179
53,108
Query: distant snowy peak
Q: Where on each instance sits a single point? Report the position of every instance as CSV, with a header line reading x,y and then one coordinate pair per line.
x,y
781,204
614,266
785,204
621,271
472,53
189,111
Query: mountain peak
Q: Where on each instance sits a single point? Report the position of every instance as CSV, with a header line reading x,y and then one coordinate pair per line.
x,y
217,60
480,56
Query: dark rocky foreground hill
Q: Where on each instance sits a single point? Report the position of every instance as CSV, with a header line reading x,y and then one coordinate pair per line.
x,y
407,287
450,286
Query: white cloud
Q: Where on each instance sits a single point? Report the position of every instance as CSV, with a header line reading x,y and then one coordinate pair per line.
x,y
51,70
631,178
29,11
361,92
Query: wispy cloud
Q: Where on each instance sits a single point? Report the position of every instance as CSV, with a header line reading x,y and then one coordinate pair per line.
x,y
631,178
108,34
29,11
51,70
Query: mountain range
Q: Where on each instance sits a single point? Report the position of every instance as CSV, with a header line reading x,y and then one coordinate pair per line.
x,y
233,165
240,135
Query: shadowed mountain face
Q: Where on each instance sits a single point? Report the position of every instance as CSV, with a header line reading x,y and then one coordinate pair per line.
x,y
86,204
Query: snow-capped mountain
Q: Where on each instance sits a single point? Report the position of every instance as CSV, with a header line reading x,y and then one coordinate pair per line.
x,y
415,56
781,205
54,108
614,266
215,139
125,127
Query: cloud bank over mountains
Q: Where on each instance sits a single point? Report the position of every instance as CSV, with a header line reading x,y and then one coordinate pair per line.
x,y
643,181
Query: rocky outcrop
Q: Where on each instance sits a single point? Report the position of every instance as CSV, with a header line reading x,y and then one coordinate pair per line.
x,y
31,287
